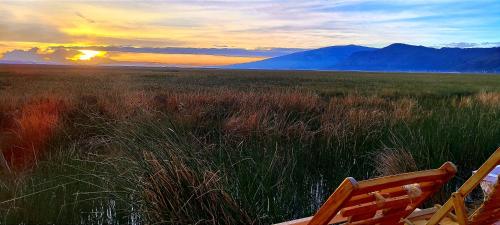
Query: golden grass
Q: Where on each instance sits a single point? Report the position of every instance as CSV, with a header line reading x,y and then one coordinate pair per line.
x,y
488,99
169,185
30,131
391,161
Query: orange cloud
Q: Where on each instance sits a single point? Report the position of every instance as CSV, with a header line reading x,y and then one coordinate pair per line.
x,y
181,59
89,56
57,55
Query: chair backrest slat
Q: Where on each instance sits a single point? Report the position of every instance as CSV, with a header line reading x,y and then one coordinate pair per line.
x,y
400,180
399,202
396,191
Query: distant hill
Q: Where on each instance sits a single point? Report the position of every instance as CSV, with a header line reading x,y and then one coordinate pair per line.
x,y
402,57
317,59
14,62
393,58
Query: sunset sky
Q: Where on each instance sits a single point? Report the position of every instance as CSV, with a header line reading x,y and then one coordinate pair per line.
x,y
209,33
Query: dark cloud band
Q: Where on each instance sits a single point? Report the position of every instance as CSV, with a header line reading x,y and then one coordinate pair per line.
x,y
235,52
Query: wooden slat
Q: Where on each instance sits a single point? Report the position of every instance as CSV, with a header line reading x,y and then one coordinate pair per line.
x,y
441,213
388,218
390,192
304,221
422,214
460,212
408,178
360,217
420,200
333,204
402,201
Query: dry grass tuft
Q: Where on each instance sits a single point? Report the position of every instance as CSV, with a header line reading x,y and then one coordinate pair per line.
x,y
464,102
488,98
33,126
357,115
392,161
178,194
403,109
247,123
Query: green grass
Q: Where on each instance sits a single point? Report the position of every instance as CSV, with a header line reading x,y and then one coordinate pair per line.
x,y
188,146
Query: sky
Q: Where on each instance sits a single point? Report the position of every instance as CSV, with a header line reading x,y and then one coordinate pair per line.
x,y
213,33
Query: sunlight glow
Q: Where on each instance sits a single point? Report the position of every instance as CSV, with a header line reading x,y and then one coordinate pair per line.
x,y
87,54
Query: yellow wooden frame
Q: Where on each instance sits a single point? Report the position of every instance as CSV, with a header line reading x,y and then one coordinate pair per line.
x,y
456,202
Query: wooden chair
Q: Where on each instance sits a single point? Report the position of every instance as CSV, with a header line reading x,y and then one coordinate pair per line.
x,y
487,214
385,200
489,211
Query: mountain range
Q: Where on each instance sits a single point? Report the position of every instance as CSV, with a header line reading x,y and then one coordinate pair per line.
x,y
393,58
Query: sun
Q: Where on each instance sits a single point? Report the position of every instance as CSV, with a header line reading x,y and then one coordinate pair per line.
x,y
85,55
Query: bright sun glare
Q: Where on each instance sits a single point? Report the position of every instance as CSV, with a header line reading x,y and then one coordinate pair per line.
x,y
88,54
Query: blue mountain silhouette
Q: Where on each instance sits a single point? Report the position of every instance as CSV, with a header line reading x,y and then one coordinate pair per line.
x,y
393,58
317,59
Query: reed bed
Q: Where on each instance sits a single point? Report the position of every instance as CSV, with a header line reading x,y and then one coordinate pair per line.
x,y
162,146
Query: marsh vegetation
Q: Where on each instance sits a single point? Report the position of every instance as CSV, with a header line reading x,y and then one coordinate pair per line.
x,y
105,145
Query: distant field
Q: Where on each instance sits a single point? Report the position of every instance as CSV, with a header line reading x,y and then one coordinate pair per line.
x,y
325,83
110,145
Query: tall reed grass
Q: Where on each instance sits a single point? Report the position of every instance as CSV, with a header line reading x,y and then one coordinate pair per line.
x,y
107,148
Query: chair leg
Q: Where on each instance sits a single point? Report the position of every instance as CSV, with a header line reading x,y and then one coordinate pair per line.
x,y
450,214
461,214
